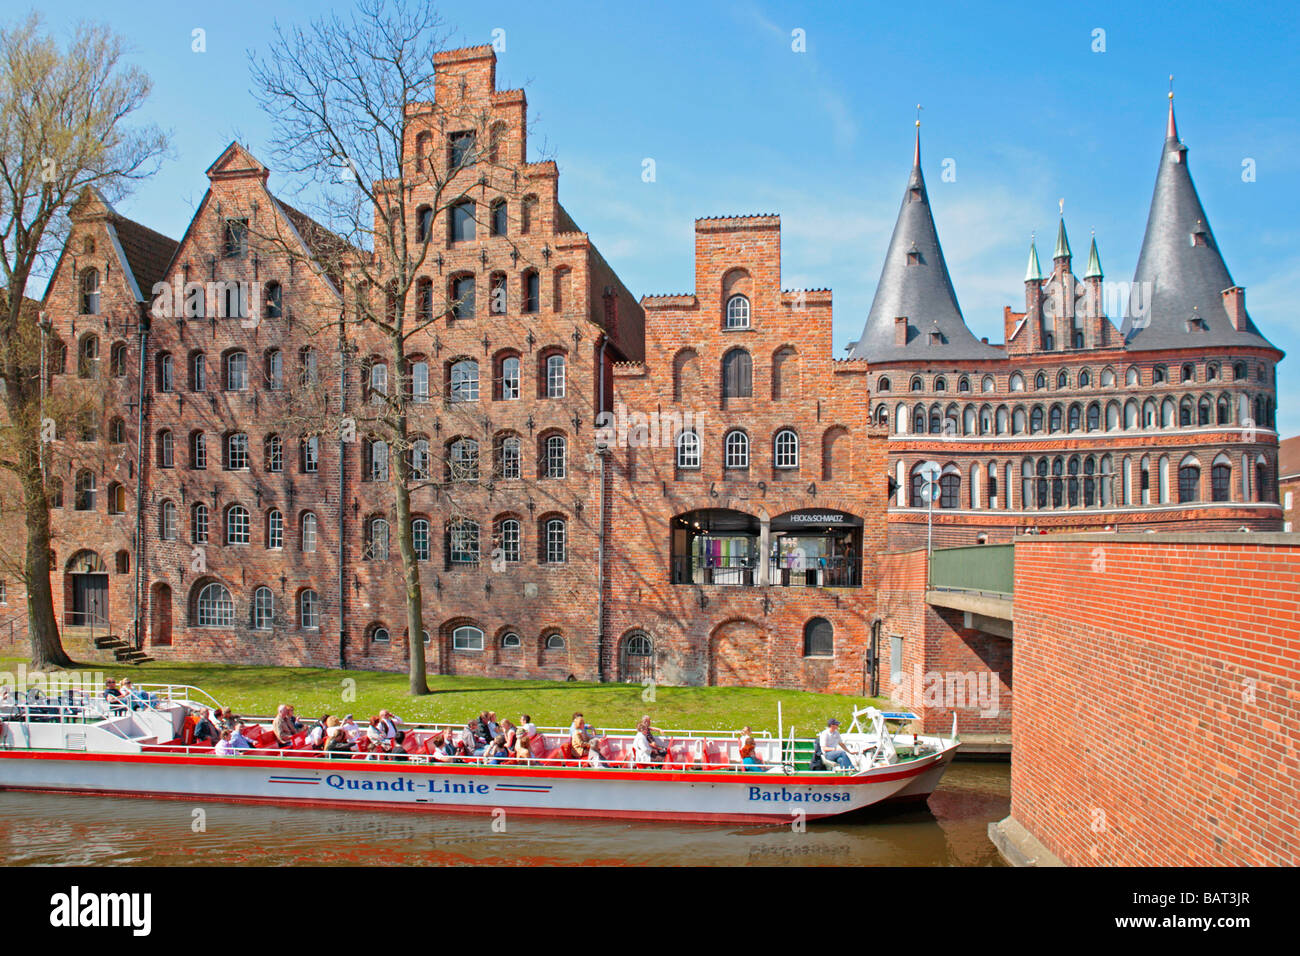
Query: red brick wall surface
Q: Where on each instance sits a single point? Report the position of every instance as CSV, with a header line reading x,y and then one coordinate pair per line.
x,y
1157,712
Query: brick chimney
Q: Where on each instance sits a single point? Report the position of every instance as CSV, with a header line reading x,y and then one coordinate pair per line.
x,y
1234,302
900,330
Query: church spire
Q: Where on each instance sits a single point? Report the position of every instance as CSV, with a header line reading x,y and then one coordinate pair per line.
x,y
1062,243
1094,262
1034,273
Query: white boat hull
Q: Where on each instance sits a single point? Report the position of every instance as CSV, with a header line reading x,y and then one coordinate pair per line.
x,y
700,796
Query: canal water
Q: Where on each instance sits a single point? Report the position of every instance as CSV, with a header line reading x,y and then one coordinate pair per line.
x,y
53,829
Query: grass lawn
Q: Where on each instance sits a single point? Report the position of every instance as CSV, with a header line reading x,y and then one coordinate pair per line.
x,y
318,690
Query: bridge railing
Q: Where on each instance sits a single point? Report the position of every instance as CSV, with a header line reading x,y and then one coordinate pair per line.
x,y
988,568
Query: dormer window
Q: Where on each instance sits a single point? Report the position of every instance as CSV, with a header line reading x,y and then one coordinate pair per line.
x,y
913,256
936,338
914,194
1197,324
1200,236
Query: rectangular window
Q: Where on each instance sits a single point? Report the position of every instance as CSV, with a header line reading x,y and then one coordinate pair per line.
x,y
895,659
275,531
235,242
510,458
462,222
510,541
237,452
461,149
464,543
510,379
555,376
556,550
462,295
311,455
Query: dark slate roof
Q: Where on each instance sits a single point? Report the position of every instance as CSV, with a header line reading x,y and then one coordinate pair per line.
x,y
148,253
1186,279
921,290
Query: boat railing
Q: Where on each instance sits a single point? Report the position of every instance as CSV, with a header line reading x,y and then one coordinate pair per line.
x,y
446,728
63,707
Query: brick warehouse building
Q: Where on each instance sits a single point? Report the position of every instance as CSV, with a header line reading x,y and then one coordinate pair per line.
x,y
744,551
1073,423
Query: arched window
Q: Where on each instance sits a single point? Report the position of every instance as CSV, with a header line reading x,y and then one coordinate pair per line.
x,y
274,369
263,609
737,374
508,378
1040,380
309,366
462,381
882,383
237,525
1036,419
1094,417
198,523
1063,379
275,529
116,431
508,450
950,490
462,460
167,521
818,638
736,449
467,638
378,634
510,640
1189,482
424,224
420,537
555,548
375,463
309,456
376,540
89,292
500,218
462,297
166,449
688,449
117,360
785,449
166,372
1131,377
308,610
236,451
1189,372
236,371
1085,378
737,312
418,459
1239,372
116,498
88,356
531,289
462,542
273,451
274,300
215,608
940,384
307,528
1017,382
553,642
461,221
377,383
507,538
553,376
987,384
1205,412
1055,418
963,384
1220,481
554,457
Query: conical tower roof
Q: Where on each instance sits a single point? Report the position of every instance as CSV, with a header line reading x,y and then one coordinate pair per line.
x,y
915,283
1180,273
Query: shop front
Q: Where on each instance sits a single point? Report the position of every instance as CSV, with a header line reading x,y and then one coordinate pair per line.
x,y
807,548
816,547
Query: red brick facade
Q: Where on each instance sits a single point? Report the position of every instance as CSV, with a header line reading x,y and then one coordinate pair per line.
x,y
1158,698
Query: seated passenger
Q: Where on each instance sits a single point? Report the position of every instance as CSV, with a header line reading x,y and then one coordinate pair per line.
x,y
493,727
442,750
748,754
237,738
114,696
496,751
527,724
226,720
224,747
594,757
297,725
316,737
832,746
282,726
390,724
337,742
350,729
652,745
511,734
376,733
578,737
522,750
474,741
205,732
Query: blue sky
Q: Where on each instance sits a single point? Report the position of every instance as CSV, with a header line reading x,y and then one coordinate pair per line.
x,y
737,122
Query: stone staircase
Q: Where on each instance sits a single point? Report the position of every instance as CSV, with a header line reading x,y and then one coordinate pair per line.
x,y
123,652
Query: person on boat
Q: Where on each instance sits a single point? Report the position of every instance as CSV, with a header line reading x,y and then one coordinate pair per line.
x,y
748,753
205,732
646,747
578,741
224,747
282,726
522,750
496,751
833,747
511,733
336,742
350,729
316,736
493,726
441,749
595,758
474,736
298,725
392,726
376,732
527,724
226,720
237,738
114,696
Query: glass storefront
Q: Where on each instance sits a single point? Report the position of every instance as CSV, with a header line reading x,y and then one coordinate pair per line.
x,y
809,548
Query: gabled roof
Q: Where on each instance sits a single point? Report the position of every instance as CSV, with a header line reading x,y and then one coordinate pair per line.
x,y
1181,275
148,253
915,283
1288,458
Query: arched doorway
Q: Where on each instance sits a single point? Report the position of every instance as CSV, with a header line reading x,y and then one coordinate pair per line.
x,y
160,615
85,586
636,658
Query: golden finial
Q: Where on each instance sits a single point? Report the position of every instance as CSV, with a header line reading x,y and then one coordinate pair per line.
x,y
1171,86
1061,204
918,114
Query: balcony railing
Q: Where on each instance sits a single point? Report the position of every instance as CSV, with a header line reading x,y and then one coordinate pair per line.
x,y
829,572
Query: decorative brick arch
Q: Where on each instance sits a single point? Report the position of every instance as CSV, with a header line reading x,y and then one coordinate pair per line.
x,y
739,654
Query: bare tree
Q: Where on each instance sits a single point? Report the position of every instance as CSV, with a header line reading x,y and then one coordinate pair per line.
x,y
345,94
64,130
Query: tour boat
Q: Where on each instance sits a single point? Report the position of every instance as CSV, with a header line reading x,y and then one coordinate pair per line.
x,y
73,742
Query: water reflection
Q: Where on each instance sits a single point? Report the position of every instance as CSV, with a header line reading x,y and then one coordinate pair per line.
x,y
52,829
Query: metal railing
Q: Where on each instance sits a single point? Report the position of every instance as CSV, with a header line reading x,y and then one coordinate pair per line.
x,y
990,568
821,572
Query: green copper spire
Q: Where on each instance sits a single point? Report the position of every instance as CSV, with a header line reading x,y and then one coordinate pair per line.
x,y
1034,273
1094,262
1062,243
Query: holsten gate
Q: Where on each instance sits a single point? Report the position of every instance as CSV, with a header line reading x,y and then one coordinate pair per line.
x,y
765,535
